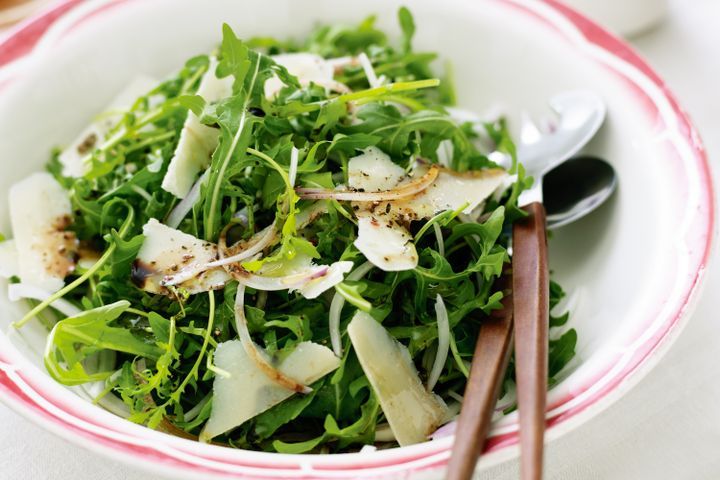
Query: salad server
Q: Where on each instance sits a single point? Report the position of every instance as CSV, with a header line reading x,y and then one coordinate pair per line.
x,y
525,311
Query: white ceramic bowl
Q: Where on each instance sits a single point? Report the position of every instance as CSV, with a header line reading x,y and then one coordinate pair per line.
x,y
634,267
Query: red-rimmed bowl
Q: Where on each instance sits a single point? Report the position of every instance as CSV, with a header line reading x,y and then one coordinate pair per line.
x,y
634,268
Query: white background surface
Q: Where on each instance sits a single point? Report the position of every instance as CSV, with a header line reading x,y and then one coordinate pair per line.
x,y
668,427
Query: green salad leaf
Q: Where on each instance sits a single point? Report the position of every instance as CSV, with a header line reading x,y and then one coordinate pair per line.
x,y
280,132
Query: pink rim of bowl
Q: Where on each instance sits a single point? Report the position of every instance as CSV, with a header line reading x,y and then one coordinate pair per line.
x,y
33,394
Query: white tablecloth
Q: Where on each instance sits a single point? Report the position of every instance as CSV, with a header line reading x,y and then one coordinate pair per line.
x,y
668,427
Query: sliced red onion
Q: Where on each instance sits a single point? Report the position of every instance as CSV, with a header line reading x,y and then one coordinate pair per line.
x,y
336,306
256,354
17,291
292,174
288,282
310,282
256,244
186,204
439,238
443,324
447,430
407,190
383,433
191,414
103,361
369,70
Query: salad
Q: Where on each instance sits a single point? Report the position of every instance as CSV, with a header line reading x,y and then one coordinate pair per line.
x,y
285,246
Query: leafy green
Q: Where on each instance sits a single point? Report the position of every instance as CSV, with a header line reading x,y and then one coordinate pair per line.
x,y
75,338
163,346
407,24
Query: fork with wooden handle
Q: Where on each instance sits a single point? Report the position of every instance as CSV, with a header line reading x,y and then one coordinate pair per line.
x,y
526,309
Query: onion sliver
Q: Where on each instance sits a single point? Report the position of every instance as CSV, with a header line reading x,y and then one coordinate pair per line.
x,y
16,291
402,191
443,324
186,204
254,352
311,282
256,244
288,282
369,70
292,174
439,238
336,306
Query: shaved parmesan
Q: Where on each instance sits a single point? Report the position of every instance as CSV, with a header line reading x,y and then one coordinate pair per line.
x,y
307,67
197,141
334,274
165,251
39,213
412,412
9,266
72,158
170,258
385,244
374,171
256,353
383,235
248,391
452,190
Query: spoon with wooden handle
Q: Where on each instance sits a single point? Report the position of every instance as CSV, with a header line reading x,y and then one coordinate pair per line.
x,y
581,114
526,309
531,315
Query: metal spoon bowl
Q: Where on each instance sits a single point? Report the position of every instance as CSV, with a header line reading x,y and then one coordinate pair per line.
x,y
575,188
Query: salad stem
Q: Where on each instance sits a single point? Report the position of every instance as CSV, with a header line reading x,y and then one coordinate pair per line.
x,y
273,164
370,93
206,340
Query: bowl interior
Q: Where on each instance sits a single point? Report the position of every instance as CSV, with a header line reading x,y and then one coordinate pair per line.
x,y
608,262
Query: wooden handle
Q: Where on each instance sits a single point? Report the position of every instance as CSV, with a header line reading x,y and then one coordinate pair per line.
x,y
531,310
492,352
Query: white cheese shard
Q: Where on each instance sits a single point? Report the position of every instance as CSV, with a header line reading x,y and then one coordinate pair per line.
x,y
374,171
307,67
40,212
412,412
9,263
248,391
169,257
197,141
451,190
334,274
166,251
387,245
96,133
383,235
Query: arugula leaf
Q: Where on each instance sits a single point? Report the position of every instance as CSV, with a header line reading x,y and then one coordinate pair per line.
x,y
267,423
561,352
158,349
407,24
75,338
